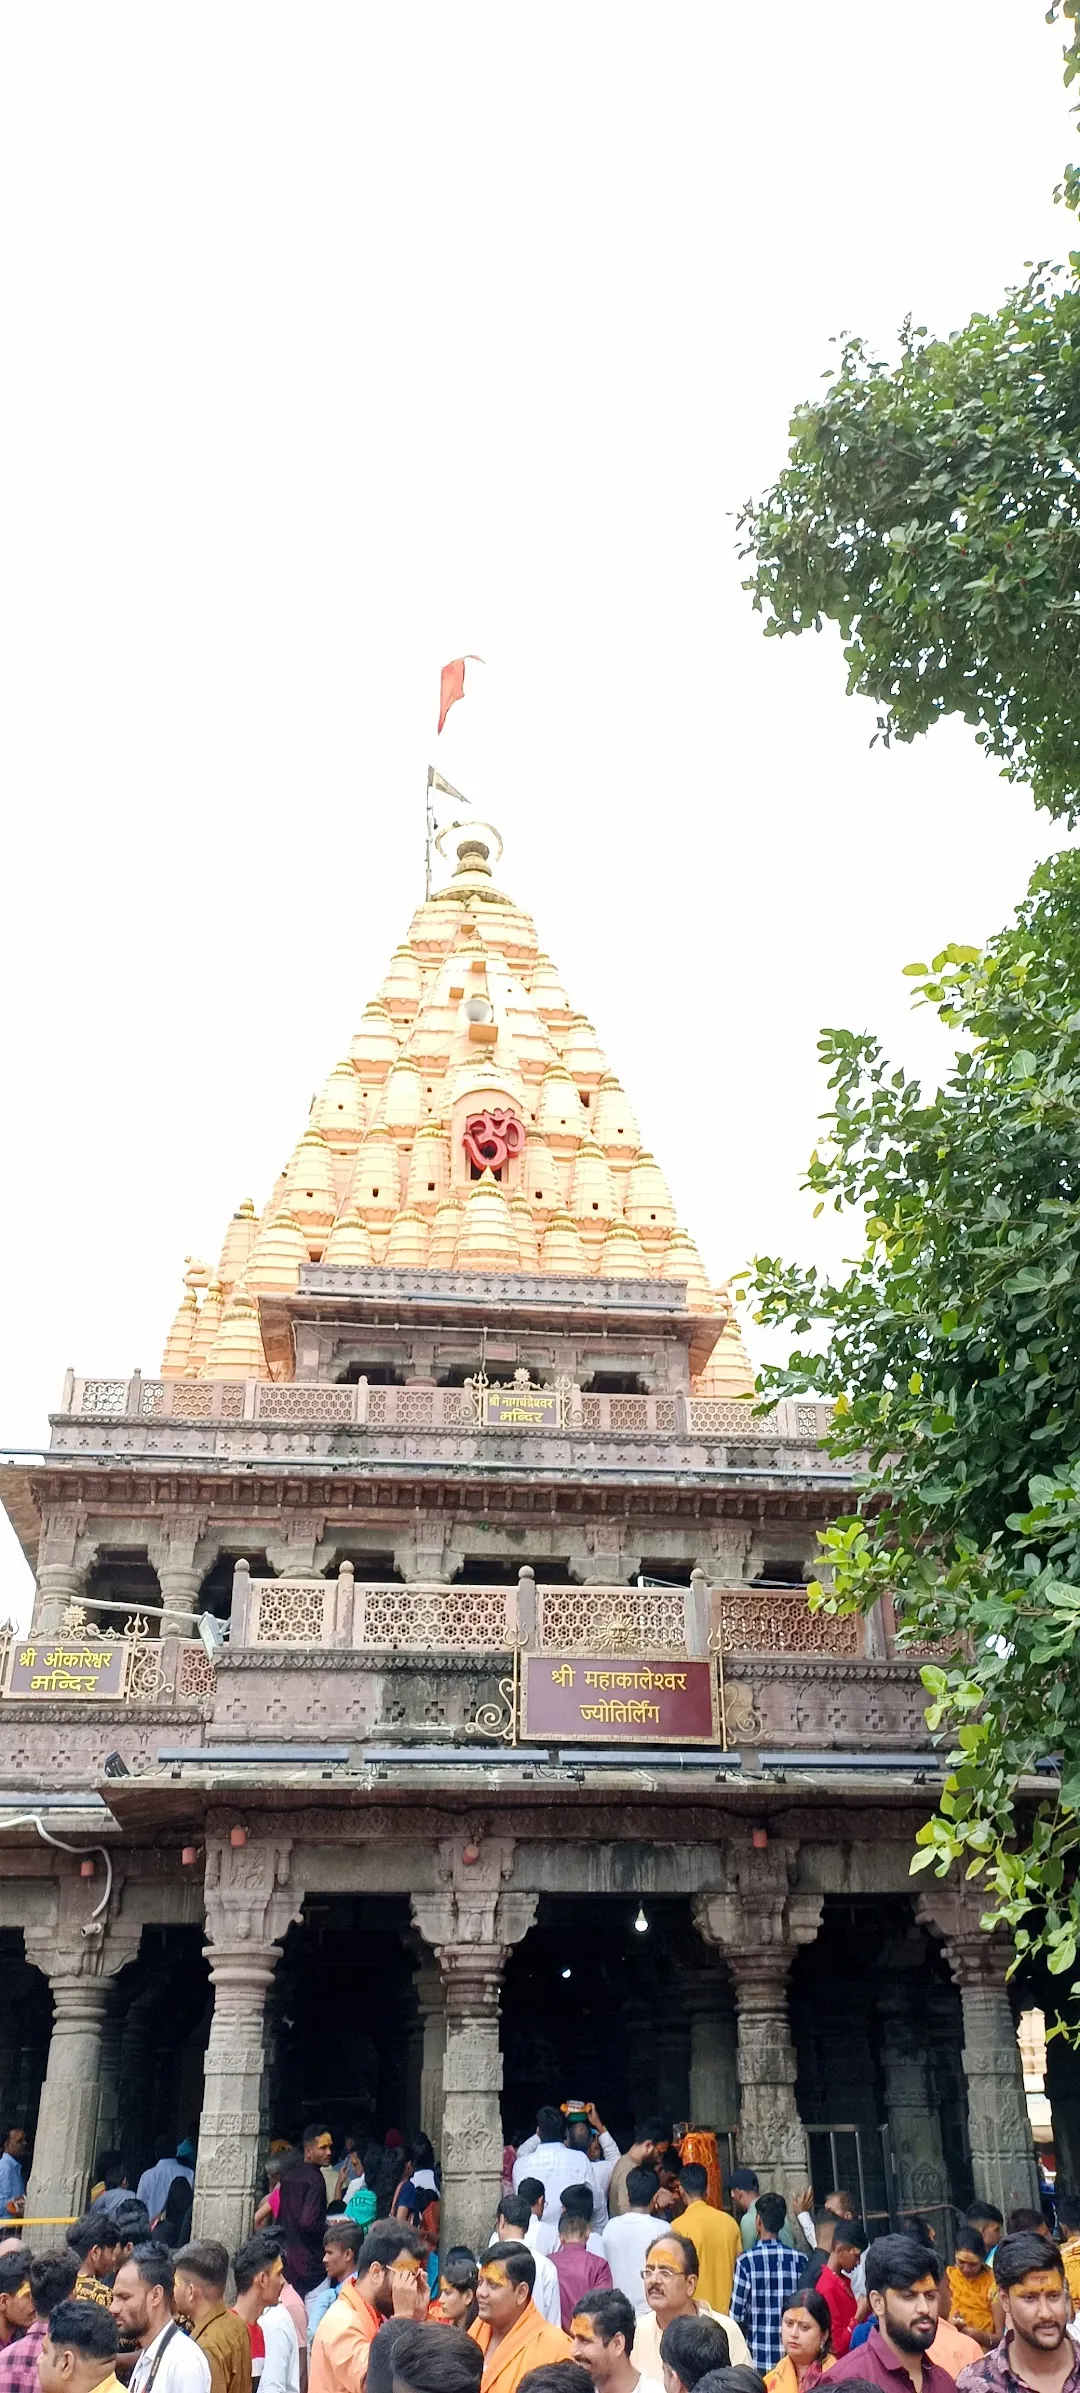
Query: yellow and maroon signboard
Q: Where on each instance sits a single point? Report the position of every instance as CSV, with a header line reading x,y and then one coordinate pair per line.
x,y
521,1408
57,1666
664,1700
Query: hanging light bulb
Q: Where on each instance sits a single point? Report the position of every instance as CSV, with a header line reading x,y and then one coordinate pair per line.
x,y
641,1923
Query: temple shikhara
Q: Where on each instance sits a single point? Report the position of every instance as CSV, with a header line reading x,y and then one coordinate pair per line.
x,y
421,1715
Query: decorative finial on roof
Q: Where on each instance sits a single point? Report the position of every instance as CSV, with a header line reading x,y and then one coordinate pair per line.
x,y
174,1361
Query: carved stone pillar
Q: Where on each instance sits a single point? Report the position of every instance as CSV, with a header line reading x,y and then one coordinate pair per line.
x,y
109,2077
472,1922
1002,2148
292,1556
914,2125
431,2003
759,1929
714,2074
78,1955
135,2059
249,1905
180,1588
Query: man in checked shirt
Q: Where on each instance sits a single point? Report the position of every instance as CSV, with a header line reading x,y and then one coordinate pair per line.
x,y
51,2278
764,2277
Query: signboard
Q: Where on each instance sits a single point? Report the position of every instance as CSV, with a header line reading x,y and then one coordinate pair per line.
x,y
521,1408
665,1700
59,1666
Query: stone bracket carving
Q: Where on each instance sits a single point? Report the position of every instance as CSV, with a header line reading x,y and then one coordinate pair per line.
x,y
762,1912
249,1900
975,1956
472,1920
75,1948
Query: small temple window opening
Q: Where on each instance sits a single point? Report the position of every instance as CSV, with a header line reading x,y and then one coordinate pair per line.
x,y
126,1581
614,1383
215,1593
369,1570
781,1570
501,1570
377,1375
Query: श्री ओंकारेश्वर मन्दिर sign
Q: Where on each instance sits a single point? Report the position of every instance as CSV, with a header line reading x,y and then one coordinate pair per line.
x,y
58,1666
660,1701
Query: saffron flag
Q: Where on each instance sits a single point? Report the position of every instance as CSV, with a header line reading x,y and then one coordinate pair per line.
x,y
451,687
452,683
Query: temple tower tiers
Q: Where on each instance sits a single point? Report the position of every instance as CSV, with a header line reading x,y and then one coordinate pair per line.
x,y
316,1846
474,1125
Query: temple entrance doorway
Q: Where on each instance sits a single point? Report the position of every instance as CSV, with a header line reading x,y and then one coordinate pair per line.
x,y
345,2032
596,2007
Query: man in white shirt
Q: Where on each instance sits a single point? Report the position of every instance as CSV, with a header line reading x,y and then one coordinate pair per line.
x,y
578,2201
584,2127
550,2159
512,2226
532,2192
626,2239
602,2339
168,2361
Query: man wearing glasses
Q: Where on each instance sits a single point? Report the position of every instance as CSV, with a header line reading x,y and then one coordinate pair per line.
x,y
389,2261
670,2278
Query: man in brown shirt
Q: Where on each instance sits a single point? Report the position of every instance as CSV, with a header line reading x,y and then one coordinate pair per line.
x,y
199,2297
650,2140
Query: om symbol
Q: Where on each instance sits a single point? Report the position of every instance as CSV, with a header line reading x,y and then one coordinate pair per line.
x,y
491,1139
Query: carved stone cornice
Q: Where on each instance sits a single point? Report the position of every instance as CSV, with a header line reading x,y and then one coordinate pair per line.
x,y
781,1670
104,1715
661,1478
381,1660
789,1669
458,1290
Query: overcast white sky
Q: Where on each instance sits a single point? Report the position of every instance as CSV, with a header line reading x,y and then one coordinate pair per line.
x,y
337,340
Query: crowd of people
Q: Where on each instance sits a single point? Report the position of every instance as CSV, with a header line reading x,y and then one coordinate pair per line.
x,y
604,2272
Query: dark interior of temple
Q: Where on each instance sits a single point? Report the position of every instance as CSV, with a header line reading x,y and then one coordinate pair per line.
x,y
611,1998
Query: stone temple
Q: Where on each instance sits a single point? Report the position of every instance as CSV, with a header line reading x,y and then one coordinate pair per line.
x,y
421,1714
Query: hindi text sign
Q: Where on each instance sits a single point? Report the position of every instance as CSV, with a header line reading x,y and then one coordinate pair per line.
x,y
45,1668
664,1700
521,1408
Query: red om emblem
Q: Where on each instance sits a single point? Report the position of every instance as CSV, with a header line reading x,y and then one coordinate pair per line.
x,y
491,1139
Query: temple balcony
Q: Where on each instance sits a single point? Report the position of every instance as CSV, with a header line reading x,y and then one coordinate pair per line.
x,y
357,1663
199,1419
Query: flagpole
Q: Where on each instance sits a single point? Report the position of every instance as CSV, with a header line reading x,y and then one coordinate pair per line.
x,y
446,789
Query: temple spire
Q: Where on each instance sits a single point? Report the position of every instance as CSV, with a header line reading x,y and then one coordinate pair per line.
x,y
474,1124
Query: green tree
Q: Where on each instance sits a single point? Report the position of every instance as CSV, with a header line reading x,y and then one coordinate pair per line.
x,y
952,1350
932,510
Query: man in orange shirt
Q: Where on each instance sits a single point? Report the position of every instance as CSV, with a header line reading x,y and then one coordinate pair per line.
x,y
510,2331
387,2259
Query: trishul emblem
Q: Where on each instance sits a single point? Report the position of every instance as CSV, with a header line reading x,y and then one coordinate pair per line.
x,y
491,1139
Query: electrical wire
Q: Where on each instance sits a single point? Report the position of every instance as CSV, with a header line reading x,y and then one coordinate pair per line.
x,y
33,1819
